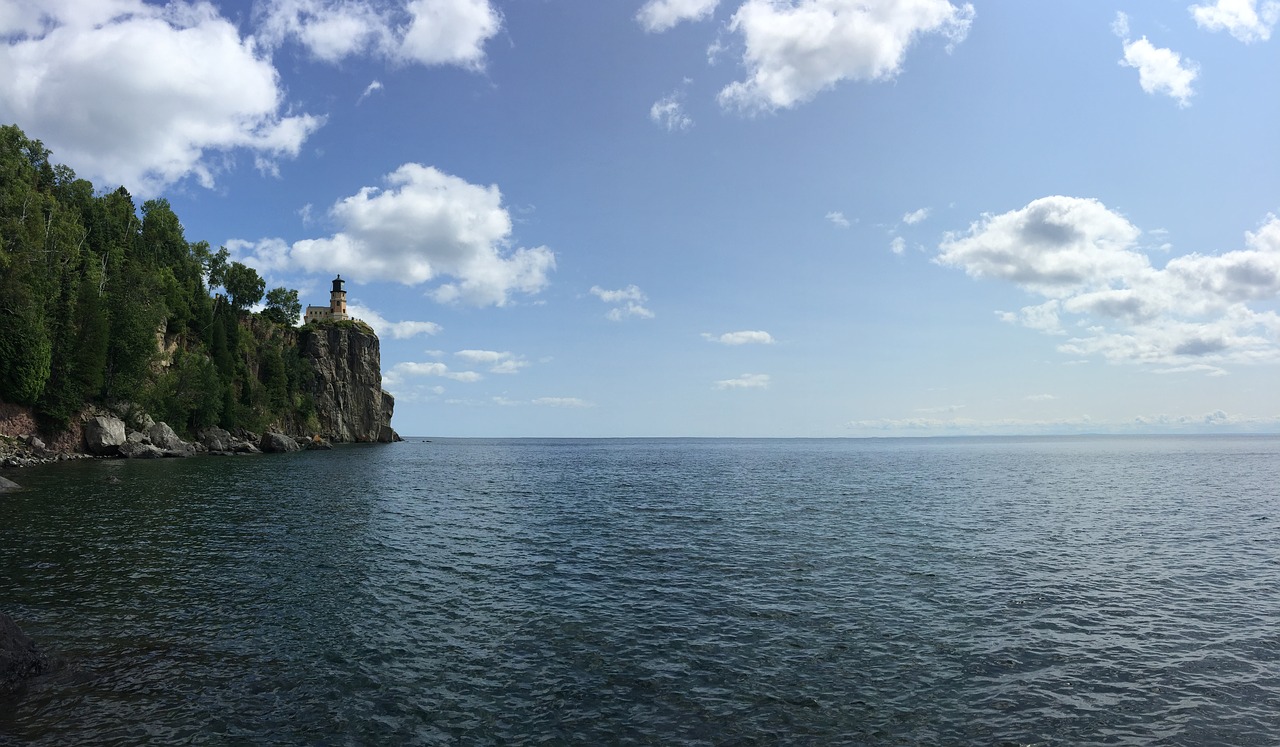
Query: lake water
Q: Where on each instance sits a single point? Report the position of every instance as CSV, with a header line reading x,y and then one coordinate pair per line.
x,y
1063,591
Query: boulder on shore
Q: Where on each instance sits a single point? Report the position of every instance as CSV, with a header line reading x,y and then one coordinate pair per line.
x,y
163,436
139,450
7,485
215,439
103,435
19,658
277,443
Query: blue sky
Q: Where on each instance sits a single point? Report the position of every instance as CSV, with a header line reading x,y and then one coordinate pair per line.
x,y
734,218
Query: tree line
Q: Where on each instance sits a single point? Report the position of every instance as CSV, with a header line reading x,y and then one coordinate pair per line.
x,y
103,302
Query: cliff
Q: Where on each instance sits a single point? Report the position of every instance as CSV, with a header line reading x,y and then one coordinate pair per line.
x,y
350,404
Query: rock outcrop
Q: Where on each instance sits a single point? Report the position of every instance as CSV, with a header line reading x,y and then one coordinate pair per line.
x,y
19,658
277,443
350,404
104,435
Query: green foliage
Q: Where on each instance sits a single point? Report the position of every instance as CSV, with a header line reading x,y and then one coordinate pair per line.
x,y
89,290
283,306
243,285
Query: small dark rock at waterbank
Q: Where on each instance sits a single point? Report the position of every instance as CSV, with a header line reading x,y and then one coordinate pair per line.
x,y
20,660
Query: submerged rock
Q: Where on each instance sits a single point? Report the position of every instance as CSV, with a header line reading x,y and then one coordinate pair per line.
x,y
20,660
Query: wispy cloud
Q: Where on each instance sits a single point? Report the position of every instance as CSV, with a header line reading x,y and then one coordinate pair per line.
x,y
837,218
745,337
745,381
629,302
915,216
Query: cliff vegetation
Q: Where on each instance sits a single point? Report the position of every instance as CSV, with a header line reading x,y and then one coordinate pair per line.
x,y
105,305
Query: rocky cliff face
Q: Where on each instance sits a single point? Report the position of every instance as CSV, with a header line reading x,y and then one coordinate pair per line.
x,y
349,400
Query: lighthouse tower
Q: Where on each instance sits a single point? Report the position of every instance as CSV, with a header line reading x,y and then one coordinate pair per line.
x,y
338,300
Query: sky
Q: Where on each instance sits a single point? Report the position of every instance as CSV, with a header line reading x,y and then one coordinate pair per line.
x,y
794,218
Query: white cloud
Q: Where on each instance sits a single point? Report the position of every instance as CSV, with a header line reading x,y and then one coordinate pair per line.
x,y
660,15
196,93
796,49
499,362
369,90
745,337
448,32
898,245
669,113
745,381
425,224
1246,20
837,217
1040,397
1202,310
1161,70
429,32
562,402
915,216
397,330
432,368
630,299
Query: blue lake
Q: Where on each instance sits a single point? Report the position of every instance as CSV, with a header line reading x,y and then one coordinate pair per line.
x,y
1065,591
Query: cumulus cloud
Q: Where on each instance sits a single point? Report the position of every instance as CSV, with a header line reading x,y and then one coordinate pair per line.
x,y
795,50
428,32
745,337
915,216
745,381
195,94
660,15
1203,310
629,302
837,217
669,113
1161,70
422,225
398,330
1246,20
898,245
499,362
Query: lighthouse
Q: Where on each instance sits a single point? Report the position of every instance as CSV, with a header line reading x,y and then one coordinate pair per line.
x,y
338,300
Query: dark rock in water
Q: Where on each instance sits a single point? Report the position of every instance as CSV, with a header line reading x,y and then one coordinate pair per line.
x,y
20,660
103,435
317,444
277,443
7,485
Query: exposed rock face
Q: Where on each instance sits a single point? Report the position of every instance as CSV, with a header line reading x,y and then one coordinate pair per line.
x,y
350,403
103,435
19,657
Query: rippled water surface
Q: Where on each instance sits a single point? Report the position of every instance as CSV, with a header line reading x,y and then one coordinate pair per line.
x,y
956,591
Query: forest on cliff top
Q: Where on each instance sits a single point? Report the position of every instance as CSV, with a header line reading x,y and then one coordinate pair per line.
x,y
103,303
